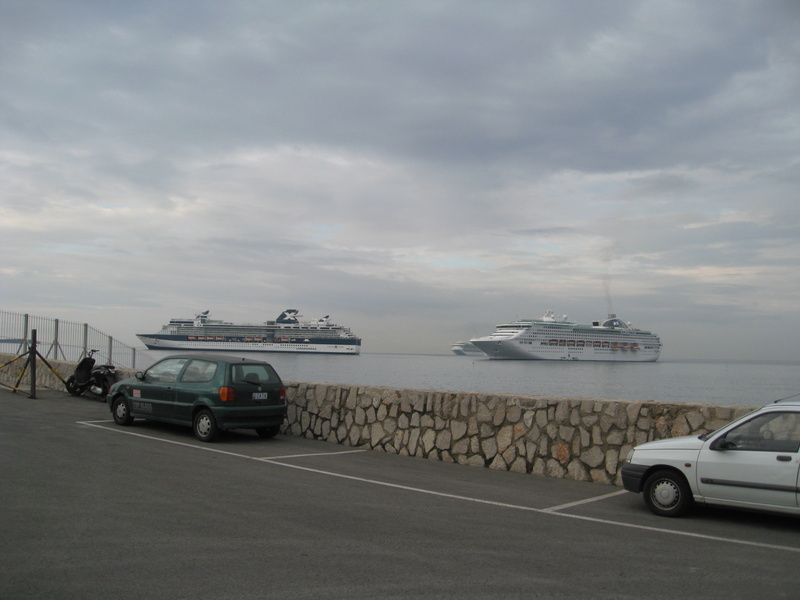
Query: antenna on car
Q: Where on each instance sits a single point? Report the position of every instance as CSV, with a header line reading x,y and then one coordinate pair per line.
x,y
787,398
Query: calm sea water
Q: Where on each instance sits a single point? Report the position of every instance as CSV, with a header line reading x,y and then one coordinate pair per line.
x,y
707,382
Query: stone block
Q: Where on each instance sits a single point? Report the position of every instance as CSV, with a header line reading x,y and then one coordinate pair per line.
x,y
554,469
513,414
518,466
498,463
458,429
695,419
566,433
593,457
376,434
461,447
360,416
489,447
577,471
504,437
428,440
561,452
499,415
443,439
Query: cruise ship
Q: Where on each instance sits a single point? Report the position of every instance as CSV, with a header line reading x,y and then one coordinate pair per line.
x,y
466,349
557,338
285,334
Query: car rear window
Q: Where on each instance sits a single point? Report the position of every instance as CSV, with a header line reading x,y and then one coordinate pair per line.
x,y
254,373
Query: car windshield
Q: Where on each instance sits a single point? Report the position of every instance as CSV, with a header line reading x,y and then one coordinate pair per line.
x,y
773,431
253,373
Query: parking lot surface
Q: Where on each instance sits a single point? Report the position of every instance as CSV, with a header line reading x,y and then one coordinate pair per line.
x,y
94,510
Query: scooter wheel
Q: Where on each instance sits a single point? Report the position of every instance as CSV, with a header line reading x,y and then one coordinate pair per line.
x,y
72,386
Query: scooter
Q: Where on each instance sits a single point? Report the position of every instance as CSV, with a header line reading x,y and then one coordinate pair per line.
x,y
96,380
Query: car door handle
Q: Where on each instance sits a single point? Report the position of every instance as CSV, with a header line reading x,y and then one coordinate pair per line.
x,y
784,458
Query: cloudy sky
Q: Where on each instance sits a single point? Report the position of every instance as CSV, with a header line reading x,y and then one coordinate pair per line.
x,y
419,170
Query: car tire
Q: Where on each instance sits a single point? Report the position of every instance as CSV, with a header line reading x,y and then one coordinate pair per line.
x,y
204,426
667,493
121,411
267,433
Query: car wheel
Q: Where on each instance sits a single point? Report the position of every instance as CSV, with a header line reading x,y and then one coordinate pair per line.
x,y
72,386
204,425
121,411
267,432
667,494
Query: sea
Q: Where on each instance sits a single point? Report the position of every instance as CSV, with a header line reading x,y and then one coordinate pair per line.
x,y
705,382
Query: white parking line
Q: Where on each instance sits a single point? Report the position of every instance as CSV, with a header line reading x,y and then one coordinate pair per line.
x,y
313,454
99,425
586,501
545,511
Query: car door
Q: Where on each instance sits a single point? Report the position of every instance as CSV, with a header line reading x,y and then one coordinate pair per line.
x,y
154,394
754,463
197,380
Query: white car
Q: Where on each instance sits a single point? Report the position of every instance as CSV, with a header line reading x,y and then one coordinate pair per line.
x,y
750,463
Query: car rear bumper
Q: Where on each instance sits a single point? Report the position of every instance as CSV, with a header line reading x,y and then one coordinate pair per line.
x,y
249,417
632,475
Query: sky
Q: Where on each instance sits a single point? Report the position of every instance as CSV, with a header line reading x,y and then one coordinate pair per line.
x,y
420,171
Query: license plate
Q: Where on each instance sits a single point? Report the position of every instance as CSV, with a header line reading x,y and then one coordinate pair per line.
x,y
260,395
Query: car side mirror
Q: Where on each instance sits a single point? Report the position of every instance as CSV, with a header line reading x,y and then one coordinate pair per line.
x,y
139,375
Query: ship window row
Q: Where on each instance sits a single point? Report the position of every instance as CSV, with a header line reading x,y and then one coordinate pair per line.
x,y
589,344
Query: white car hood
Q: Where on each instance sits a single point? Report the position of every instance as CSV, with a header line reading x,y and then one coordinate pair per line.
x,y
689,442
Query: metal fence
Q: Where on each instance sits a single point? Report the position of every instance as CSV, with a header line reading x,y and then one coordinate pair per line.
x,y
62,340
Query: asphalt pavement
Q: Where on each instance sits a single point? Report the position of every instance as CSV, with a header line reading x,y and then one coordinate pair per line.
x,y
89,509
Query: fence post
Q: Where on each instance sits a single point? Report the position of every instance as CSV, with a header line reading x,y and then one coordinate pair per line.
x,y
54,341
57,344
85,340
32,362
110,349
23,346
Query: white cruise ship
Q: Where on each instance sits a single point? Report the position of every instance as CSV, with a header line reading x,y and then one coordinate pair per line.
x,y
285,334
557,338
466,349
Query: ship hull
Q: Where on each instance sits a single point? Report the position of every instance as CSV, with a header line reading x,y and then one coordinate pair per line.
x,y
166,342
514,350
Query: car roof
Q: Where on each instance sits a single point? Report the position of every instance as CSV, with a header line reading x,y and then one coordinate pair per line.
x,y
219,358
778,404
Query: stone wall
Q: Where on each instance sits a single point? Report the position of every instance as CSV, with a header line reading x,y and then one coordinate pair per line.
x,y
575,438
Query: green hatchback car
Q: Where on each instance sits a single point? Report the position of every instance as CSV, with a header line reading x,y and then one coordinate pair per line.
x,y
207,392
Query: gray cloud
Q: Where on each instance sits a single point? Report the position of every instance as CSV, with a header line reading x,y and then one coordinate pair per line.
x,y
420,170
